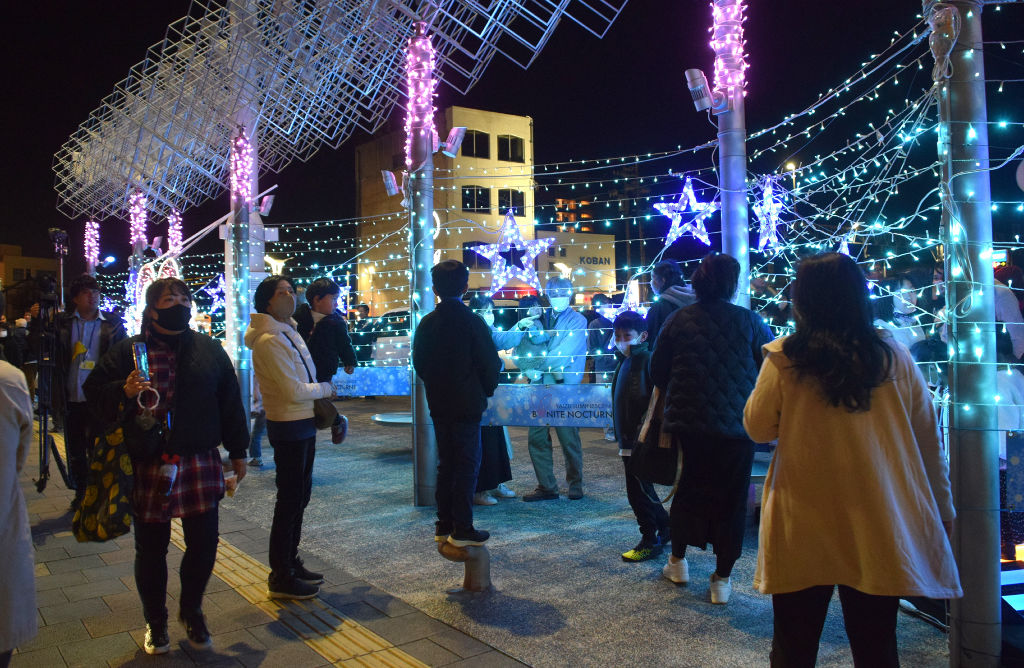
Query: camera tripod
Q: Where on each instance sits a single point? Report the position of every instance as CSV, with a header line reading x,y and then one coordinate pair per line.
x,y
49,307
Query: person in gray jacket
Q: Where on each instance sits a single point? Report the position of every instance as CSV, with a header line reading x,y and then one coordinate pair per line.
x,y
566,354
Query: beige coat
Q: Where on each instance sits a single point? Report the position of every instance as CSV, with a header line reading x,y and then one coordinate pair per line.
x,y
284,369
856,499
17,578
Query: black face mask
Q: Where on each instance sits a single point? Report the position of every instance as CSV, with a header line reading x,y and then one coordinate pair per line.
x,y
173,318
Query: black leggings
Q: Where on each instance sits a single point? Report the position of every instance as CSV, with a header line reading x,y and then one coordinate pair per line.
x,y
151,541
800,615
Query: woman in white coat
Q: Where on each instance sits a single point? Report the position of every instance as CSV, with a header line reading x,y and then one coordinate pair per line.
x,y
17,578
857,494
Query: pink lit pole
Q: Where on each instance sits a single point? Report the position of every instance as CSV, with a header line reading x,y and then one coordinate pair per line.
x,y
92,245
419,161
730,67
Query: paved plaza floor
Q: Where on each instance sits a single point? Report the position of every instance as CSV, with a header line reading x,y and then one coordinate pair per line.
x,y
562,597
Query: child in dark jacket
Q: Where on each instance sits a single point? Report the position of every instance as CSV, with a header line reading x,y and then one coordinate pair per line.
x,y
325,332
631,392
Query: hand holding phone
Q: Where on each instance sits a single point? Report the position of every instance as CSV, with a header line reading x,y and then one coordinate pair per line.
x,y
141,360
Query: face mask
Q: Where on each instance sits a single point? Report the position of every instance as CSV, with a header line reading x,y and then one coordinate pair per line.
x,y
623,346
174,318
559,304
488,318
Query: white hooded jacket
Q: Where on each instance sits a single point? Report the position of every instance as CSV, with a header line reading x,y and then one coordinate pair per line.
x,y
284,369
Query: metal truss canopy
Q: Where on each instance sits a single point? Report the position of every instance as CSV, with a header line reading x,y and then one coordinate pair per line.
x,y
303,75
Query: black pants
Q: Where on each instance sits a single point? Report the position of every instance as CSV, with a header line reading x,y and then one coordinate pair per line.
x,y
800,615
151,540
711,504
79,434
458,464
294,479
494,465
650,514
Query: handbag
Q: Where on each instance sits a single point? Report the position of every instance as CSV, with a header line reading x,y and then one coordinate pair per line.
x,y
106,509
324,411
656,457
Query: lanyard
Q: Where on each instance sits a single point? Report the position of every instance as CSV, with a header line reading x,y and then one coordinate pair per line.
x,y
92,334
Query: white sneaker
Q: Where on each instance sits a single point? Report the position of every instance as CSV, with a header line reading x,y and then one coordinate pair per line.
x,y
678,572
504,492
484,499
721,589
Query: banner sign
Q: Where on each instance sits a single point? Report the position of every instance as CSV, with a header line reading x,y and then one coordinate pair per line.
x,y
372,381
512,405
550,406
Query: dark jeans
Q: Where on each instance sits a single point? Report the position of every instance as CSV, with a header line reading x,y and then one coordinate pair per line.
x,y
650,514
294,463
458,464
80,432
151,540
800,615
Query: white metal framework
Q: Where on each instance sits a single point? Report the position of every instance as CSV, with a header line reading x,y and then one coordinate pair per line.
x,y
307,72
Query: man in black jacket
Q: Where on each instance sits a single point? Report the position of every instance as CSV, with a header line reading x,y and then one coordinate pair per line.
x,y
84,335
455,357
325,332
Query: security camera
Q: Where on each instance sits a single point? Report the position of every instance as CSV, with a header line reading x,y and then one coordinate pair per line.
x,y
390,183
451,145
703,96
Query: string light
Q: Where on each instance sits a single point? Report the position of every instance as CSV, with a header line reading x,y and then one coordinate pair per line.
x,y
137,214
92,243
421,87
242,164
767,211
174,233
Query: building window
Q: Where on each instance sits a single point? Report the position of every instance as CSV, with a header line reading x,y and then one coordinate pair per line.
x,y
510,148
19,274
510,199
476,199
476,144
471,258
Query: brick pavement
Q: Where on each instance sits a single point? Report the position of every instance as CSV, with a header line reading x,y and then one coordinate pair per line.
x,y
89,613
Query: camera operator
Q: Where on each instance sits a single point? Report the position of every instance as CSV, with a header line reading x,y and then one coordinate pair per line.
x,y
84,335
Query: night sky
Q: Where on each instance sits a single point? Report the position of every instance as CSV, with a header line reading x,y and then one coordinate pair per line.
x,y
589,98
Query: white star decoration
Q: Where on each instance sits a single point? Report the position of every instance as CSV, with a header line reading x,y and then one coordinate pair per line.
x,y
687,203
767,211
511,242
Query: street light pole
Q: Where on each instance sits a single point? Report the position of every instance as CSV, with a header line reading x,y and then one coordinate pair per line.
x,y
419,128
975,624
727,42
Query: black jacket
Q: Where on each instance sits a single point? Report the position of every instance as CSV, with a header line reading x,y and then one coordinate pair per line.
x,y
328,343
631,393
707,359
207,408
112,331
454,354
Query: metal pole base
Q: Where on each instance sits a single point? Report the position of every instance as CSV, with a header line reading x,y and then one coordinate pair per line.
x,y
478,566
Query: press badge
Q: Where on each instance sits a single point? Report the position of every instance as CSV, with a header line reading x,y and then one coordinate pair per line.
x,y
87,365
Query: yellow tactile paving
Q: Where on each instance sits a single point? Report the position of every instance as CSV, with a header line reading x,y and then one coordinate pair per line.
x,y
323,628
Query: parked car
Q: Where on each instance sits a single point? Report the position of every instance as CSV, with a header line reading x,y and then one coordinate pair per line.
x,y
391,338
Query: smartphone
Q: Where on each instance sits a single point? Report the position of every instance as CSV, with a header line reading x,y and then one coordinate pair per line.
x,y
141,360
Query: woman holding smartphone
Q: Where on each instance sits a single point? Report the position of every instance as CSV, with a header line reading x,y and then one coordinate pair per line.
x,y
182,384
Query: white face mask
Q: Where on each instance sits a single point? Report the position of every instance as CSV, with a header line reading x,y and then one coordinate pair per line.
x,y
623,346
488,317
559,304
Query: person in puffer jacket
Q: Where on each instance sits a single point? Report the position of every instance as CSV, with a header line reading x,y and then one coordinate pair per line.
x,y
707,360
286,376
668,284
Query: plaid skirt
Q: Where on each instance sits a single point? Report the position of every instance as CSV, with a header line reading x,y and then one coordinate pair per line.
x,y
197,489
